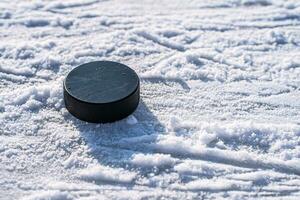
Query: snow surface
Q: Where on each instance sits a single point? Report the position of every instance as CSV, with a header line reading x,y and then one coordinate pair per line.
x,y
219,110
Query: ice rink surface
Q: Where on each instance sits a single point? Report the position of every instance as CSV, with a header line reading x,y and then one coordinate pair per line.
x,y
219,111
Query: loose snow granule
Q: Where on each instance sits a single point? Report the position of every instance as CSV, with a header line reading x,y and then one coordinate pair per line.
x,y
131,120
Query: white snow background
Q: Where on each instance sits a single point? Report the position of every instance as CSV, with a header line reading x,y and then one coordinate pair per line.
x,y
219,110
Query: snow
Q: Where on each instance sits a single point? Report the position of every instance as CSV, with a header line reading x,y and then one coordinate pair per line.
x,y
219,110
102,173
131,120
50,195
214,185
152,160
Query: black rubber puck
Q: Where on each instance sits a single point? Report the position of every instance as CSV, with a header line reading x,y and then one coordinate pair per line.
x,y
101,91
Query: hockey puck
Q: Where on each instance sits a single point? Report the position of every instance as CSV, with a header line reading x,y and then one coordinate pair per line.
x,y
101,91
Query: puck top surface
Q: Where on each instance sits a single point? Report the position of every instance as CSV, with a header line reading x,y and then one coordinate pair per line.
x,y
101,82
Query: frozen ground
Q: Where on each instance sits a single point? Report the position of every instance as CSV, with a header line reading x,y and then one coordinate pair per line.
x,y
218,118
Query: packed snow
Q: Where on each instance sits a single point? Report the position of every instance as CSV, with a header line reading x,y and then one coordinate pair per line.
x,y
219,111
